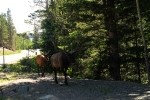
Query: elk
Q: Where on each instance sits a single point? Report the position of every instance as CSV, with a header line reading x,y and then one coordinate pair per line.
x,y
61,61
41,61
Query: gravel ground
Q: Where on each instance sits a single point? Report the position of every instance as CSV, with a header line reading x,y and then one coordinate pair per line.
x,y
46,89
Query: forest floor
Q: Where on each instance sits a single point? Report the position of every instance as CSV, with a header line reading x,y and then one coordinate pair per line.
x,y
32,87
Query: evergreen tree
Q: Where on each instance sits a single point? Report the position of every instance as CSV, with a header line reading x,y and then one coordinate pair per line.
x,y
3,30
108,32
11,30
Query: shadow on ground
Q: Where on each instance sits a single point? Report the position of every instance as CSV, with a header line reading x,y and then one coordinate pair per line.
x,y
46,89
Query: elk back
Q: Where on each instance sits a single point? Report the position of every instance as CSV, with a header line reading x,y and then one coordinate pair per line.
x,y
60,60
40,60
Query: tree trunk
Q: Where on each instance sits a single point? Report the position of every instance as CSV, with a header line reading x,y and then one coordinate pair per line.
x,y
143,38
110,23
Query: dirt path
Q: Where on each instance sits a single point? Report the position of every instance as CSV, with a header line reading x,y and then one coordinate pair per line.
x,y
46,89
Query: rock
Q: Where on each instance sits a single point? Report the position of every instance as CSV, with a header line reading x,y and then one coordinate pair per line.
x,y
48,97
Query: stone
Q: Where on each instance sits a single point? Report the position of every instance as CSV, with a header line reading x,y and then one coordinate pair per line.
x,y
48,97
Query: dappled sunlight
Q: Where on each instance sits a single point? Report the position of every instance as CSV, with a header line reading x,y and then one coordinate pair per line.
x,y
49,96
142,97
133,94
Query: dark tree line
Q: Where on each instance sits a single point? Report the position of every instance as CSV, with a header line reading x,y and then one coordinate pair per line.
x,y
107,33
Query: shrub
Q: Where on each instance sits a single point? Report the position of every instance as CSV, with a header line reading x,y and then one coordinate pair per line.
x,y
29,64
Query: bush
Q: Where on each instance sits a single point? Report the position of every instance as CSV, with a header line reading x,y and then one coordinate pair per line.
x,y
29,64
12,68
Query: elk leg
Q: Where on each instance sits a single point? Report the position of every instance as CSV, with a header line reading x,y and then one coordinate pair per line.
x,y
65,74
43,68
55,71
38,70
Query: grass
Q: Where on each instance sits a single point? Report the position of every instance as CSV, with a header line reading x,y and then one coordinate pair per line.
x,y
11,72
8,52
12,76
8,77
26,68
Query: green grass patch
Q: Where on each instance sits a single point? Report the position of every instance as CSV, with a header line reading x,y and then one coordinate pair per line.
x,y
8,52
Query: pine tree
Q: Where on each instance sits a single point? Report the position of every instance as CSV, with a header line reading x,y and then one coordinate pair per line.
x,y
11,31
3,30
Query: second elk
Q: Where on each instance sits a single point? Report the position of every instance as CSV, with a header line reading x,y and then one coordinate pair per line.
x,y
41,61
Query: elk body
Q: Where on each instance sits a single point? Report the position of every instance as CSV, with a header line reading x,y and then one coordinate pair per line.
x,y
41,61
61,61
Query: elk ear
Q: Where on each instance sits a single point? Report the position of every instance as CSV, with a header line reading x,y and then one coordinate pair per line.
x,y
47,53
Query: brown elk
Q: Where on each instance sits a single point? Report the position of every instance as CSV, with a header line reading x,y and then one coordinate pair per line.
x,y
41,61
61,61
